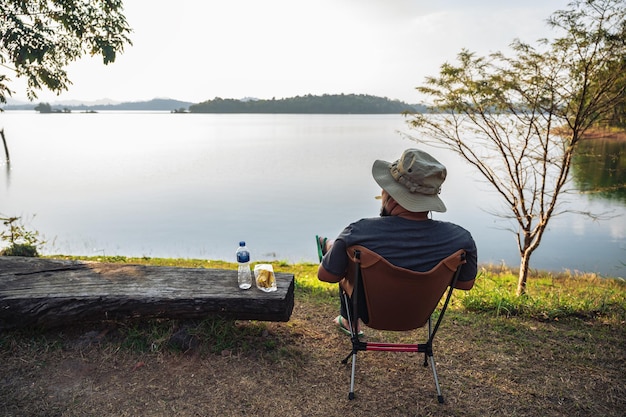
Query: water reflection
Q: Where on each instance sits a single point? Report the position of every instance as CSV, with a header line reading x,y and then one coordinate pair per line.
x,y
599,169
7,161
7,168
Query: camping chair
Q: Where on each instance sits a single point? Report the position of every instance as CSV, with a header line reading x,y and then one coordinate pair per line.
x,y
387,297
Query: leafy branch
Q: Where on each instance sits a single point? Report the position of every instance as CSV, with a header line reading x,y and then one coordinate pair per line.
x,y
22,242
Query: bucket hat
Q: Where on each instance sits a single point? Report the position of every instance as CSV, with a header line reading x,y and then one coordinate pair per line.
x,y
414,180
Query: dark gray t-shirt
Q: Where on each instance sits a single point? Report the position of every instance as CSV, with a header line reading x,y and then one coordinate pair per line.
x,y
410,244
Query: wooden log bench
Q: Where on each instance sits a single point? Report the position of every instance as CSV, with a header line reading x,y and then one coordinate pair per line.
x,y
49,293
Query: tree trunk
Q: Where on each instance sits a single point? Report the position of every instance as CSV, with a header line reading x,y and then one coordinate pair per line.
x,y
6,148
523,273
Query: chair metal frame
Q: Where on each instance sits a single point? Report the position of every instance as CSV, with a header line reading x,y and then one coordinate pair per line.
x,y
358,294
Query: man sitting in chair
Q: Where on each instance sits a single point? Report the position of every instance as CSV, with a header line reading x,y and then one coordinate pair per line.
x,y
403,234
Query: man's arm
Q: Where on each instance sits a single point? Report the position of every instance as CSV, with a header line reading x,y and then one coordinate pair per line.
x,y
330,251
324,275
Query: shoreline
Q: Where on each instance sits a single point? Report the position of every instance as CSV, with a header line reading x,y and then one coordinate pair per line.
x,y
612,134
222,264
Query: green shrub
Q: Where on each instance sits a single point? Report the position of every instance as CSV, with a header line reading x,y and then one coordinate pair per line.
x,y
20,249
22,242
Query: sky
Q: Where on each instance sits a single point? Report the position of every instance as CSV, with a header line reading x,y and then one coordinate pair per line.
x,y
197,50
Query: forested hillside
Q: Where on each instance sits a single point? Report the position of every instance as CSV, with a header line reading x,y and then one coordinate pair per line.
x,y
309,104
326,104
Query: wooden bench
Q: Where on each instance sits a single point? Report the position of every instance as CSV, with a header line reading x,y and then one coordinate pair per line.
x,y
49,293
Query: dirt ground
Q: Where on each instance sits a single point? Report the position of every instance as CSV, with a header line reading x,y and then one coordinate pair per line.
x,y
487,367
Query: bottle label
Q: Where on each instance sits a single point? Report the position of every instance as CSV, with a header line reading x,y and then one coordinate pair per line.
x,y
243,257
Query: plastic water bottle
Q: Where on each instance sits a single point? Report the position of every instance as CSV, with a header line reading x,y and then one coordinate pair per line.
x,y
244,276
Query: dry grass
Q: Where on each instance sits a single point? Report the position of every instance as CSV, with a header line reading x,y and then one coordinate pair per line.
x,y
488,366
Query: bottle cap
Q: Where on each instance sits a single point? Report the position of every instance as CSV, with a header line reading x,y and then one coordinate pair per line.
x,y
242,243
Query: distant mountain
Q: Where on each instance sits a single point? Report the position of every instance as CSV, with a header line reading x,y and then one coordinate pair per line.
x,y
157,104
77,103
14,102
309,104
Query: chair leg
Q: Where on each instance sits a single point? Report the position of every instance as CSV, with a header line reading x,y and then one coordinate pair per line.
x,y
351,393
432,364
352,335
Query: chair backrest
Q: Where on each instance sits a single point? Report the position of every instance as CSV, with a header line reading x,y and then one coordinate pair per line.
x,y
398,298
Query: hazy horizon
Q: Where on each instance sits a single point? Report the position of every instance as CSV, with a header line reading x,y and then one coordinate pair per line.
x,y
195,51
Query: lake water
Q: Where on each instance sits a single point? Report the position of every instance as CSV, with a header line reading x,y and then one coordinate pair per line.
x,y
194,185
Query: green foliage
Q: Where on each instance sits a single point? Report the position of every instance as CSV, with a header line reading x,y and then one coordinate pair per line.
x,y
599,168
47,108
20,249
43,108
547,297
592,52
40,38
518,119
616,117
326,104
22,242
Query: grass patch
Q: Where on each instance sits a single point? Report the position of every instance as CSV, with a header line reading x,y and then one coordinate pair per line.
x,y
548,296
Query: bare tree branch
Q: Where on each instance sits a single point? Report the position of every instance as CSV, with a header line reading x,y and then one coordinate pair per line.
x,y
517,120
